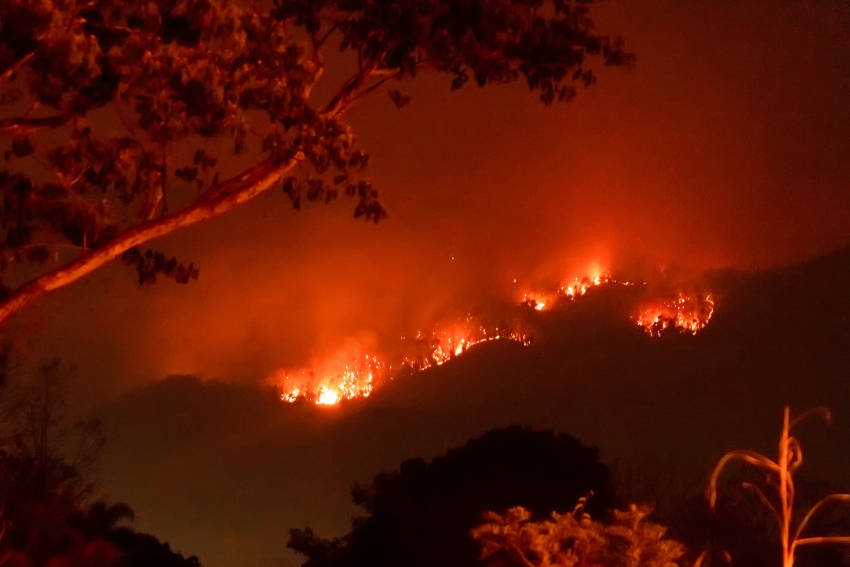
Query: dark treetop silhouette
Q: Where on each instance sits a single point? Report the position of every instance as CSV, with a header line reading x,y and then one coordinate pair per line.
x,y
108,106
422,514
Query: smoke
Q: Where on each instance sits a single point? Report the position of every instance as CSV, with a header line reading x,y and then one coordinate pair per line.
x,y
706,155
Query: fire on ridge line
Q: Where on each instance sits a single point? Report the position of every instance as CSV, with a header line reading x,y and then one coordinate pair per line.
x,y
341,377
344,377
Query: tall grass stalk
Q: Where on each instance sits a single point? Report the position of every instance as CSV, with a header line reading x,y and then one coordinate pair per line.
x,y
779,480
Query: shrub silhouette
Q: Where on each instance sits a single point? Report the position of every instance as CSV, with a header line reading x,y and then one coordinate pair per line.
x,y
421,514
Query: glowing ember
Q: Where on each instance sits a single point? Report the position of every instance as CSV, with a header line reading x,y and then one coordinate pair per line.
x,y
684,313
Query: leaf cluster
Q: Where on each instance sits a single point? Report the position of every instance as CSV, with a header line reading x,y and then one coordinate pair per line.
x,y
576,540
117,113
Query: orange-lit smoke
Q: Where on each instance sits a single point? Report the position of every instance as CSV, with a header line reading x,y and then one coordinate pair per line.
x,y
353,372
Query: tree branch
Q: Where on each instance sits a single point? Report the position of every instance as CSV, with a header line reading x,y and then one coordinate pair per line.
x,y
348,91
317,43
217,200
22,126
244,187
14,67
366,90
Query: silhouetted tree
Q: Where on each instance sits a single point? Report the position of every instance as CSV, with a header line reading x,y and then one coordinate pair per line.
x,y
44,491
114,101
55,528
421,514
35,425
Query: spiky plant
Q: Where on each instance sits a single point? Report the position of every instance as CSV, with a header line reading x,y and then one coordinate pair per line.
x,y
780,478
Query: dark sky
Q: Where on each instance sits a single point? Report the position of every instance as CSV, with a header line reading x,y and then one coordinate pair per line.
x,y
726,145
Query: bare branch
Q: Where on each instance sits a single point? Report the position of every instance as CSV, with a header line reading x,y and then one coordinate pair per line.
x,y
14,67
347,93
366,90
317,44
22,126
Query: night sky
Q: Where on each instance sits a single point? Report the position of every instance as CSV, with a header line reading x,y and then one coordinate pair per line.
x,y
726,146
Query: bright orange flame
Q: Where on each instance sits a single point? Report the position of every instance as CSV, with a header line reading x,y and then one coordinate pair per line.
x,y
570,289
331,381
685,313
539,301
327,397
338,378
444,343
579,286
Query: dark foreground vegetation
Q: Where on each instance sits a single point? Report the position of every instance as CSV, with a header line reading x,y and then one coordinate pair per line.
x,y
49,516
517,497
513,497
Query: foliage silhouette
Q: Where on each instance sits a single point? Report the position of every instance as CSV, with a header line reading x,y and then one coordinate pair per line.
x,y
421,514
173,76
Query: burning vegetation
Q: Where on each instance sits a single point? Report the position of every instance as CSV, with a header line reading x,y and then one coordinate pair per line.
x,y
447,342
346,376
341,376
684,313
354,373
567,290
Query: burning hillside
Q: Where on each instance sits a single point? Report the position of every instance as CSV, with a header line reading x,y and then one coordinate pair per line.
x,y
354,372
685,313
444,343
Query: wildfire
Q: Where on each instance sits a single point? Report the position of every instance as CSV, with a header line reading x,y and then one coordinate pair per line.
x,y
341,377
445,343
685,313
351,373
332,381
568,289
579,286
